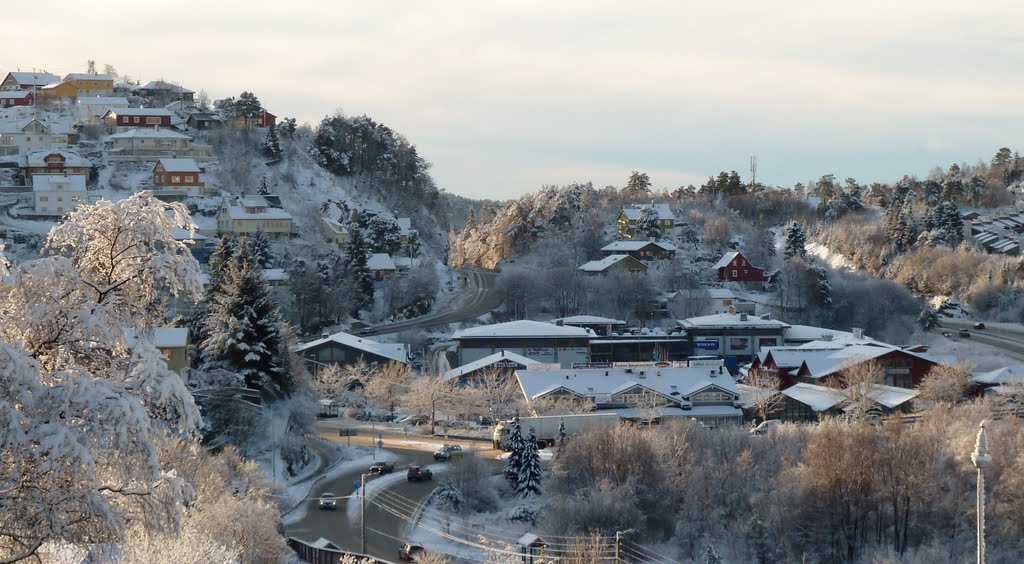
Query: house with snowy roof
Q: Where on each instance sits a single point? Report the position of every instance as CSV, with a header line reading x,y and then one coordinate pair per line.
x,y
172,342
202,121
805,402
163,92
54,162
543,342
614,263
91,84
504,363
12,98
177,178
28,80
630,216
91,109
58,194
1005,381
343,349
149,144
601,326
641,250
706,393
250,214
380,265
332,228
21,135
734,267
119,119
405,230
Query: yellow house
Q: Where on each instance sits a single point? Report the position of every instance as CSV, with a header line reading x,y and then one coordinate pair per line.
x,y
173,343
91,84
59,90
251,214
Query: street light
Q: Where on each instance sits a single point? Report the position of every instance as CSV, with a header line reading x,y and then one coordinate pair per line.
x,y
981,459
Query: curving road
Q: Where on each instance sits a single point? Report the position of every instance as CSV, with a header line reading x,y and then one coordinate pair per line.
x,y
1007,337
480,296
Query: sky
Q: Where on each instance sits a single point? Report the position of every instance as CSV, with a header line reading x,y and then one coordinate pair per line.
x,y
504,98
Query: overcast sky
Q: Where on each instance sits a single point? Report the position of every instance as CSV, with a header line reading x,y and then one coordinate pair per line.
x,y
506,97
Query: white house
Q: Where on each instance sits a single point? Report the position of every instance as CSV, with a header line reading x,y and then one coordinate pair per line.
x,y
91,108
151,143
57,194
24,135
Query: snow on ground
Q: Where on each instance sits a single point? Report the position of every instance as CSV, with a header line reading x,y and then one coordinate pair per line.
x,y
835,260
298,493
545,455
981,357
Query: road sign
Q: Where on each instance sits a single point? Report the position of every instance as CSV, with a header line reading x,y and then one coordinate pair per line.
x,y
356,485
380,443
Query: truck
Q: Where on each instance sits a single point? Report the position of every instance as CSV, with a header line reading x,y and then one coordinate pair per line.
x,y
546,427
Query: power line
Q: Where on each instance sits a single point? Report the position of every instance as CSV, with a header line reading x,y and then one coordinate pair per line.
x,y
642,548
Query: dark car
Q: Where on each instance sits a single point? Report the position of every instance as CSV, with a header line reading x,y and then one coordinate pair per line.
x,y
418,474
979,325
410,551
964,333
448,452
382,468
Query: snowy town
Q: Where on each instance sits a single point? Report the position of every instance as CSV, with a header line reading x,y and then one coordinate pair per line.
x,y
241,324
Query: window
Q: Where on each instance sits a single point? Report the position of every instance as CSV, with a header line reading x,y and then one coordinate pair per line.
x,y
152,121
44,198
738,343
734,273
175,179
764,342
712,396
189,178
135,119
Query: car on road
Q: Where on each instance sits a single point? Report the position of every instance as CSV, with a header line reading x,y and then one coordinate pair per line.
x,y
328,501
765,427
964,333
979,325
449,452
418,474
410,551
947,334
382,467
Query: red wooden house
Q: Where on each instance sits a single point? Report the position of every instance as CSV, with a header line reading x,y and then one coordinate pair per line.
x,y
734,267
138,117
9,99
54,162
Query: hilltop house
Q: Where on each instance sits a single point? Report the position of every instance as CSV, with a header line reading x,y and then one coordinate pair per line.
x,y
251,214
734,267
264,119
381,265
58,194
614,263
177,178
641,250
58,90
164,92
18,137
118,119
153,143
629,216
11,98
54,162
91,84
343,349
91,109
30,81
202,121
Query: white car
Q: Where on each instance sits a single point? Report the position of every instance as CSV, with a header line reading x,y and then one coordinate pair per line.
x,y
328,501
765,426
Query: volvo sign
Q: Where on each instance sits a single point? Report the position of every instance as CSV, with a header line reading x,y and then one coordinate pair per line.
x,y
706,344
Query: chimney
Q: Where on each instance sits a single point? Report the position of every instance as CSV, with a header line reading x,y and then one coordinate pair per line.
x,y
858,333
503,353
713,375
743,317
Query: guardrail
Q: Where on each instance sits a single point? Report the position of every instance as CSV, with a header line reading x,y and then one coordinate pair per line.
x,y
317,555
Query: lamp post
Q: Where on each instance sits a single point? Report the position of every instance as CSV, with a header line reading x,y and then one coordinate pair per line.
x,y
981,458
618,543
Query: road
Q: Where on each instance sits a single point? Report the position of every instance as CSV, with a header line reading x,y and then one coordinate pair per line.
x,y
384,530
1007,337
479,297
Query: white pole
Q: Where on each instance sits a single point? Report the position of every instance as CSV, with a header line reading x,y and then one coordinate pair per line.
x,y
362,514
981,458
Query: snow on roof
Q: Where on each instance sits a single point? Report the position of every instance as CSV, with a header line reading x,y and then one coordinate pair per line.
x,y
103,101
714,411
163,337
720,294
604,264
34,78
726,259
179,165
1012,374
663,211
275,274
241,212
149,133
503,356
523,328
811,333
404,225
87,76
627,246
71,159
398,352
889,396
166,86
380,261
181,234
15,94
731,320
676,383
752,395
822,362
141,112
818,398
588,320
58,182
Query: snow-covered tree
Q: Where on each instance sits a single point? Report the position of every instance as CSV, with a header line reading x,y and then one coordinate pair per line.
x,y
258,247
247,107
386,386
796,241
356,258
528,481
449,497
563,437
426,395
271,143
516,447
710,555
638,186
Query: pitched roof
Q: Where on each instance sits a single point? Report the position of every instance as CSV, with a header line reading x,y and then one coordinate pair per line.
x,y
398,352
70,182
87,76
889,396
726,259
588,320
163,337
158,85
380,261
720,293
14,94
103,101
522,328
34,78
606,263
823,362
141,112
818,398
663,211
179,165
503,356
275,274
1012,374
628,246
675,383
149,133
71,159
241,212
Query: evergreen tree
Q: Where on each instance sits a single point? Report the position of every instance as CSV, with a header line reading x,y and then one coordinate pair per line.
x,y
271,144
929,318
514,462
247,107
356,258
470,220
258,247
711,555
638,186
953,184
796,244
528,481
220,263
449,497
264,190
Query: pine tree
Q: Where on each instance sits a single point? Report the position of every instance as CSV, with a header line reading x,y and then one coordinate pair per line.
x,y
929,318
795,241
638,185
220,263
258,247
514,462
356,260
711,555
271,144
528,481
264,190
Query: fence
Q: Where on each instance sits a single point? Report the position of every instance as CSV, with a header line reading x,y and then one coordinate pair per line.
x,y
323,555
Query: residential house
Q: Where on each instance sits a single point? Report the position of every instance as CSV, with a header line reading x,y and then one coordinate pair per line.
x,y
630,215
91,84
705,393
343,349
119,119
152,144
275,277
173,343
198,244
30,81
164,92
333,230
381,265
734,267
202,121
251,214
58,194
614,263
18,137
405,230
12,98
505,363
734,336
264,119
91,109
1005,381
641,250
177,178
543,342
54,162
58,91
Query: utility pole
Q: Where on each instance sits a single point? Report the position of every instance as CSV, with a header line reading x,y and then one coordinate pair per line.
x,y
618,543
753,171
362,514
981,459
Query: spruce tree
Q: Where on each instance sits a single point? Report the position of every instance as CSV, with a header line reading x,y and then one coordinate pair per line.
x,y
562,436
514,462
271,144
528,482
264,189
795,241
356,259
711,555
259,248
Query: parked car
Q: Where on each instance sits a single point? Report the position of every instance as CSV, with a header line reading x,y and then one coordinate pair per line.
x,y
418,474
448,452
979,325
382,468
964,333
409,552
328,501
765,426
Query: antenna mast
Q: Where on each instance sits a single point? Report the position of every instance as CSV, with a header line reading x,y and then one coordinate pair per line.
x,y
753,171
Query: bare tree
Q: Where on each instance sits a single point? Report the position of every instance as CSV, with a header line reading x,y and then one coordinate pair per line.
x,y
945,384
387,385
424,396
767,400
856,382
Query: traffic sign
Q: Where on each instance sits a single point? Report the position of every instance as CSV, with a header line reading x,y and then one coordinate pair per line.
x,y
356,485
